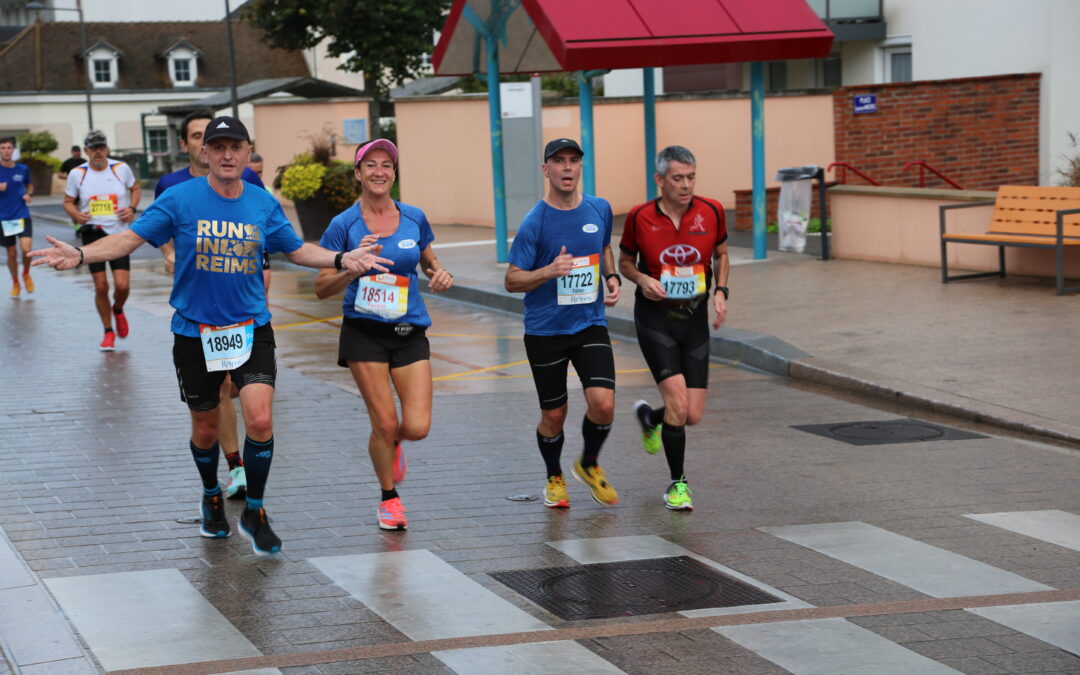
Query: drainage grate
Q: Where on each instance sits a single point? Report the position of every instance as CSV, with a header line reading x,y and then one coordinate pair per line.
x,y
631,587
883,432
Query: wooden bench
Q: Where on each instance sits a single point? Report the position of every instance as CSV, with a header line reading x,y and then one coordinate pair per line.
x,y
1027,217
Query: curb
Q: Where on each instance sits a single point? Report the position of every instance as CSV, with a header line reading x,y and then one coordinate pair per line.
x,y
772,355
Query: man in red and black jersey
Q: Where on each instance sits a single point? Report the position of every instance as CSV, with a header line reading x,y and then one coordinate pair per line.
x,y
675,249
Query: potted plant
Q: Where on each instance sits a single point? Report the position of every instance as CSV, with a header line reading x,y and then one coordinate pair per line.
x,y
35,149
319,186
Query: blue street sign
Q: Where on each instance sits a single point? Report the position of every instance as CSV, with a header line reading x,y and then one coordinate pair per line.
x,y
865,104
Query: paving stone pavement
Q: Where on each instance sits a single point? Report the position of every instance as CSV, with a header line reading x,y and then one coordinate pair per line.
x,y
94,473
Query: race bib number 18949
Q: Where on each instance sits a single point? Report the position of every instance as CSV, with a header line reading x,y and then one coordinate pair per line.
x,y
227,347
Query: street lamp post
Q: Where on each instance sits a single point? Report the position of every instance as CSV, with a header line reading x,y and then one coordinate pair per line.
x,y
38,6
232,60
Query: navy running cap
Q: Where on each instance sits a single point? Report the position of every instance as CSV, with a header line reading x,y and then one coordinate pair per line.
x,y
561,144
226,127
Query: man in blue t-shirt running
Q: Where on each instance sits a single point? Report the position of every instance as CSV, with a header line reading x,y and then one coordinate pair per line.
x,y
192,130
16,191
562,260
221,323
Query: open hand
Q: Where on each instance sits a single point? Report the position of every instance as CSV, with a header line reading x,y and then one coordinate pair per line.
x,y
61,256
363,258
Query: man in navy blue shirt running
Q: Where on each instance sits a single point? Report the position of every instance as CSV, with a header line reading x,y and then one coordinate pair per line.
x,y
562,260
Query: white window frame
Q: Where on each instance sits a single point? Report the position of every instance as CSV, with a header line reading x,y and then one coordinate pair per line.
x,y
900,44
182,54
103,54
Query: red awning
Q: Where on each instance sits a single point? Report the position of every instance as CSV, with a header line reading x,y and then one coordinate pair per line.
x,y
606,34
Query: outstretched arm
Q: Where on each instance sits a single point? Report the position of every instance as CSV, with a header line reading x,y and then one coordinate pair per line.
x,y
359,260
63,256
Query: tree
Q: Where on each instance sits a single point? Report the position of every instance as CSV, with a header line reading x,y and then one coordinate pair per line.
x,y
385,39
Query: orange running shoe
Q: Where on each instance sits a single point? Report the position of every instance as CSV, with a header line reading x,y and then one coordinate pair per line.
x,y
121,324
108,344
401,467
392,515
28,282
15,290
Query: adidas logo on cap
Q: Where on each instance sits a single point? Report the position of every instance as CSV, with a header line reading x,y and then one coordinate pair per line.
x,y
223,126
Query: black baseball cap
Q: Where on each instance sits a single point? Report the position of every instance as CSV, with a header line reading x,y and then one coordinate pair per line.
x,y
560,144
95,138
226,127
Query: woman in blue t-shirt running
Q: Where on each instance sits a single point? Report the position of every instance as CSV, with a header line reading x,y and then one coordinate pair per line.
x,y
382,332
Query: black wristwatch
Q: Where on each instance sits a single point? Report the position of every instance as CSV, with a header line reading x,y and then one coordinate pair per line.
x,y
337,260
721,289
616,275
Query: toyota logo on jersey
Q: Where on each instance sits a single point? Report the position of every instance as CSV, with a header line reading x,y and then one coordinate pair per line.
x,y
680,255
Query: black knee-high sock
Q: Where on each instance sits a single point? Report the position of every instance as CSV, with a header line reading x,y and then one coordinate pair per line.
x,y
674,448
206,461
594,435
551,451
257,458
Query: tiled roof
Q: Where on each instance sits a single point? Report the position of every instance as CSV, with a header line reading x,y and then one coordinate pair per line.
x,y
45,56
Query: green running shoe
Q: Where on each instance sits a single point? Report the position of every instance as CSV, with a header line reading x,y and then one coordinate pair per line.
x,y
650,436
677,497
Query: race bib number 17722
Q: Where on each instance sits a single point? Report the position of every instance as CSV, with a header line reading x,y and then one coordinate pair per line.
x,y
582,285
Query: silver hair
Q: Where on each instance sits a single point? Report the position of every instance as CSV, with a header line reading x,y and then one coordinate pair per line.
x,y
673,153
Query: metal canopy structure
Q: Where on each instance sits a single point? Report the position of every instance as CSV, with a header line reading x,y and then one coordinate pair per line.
x,y
304,87
591,36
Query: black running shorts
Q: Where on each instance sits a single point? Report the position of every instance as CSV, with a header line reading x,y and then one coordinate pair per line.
x,y
549,356
370,341
27,233
91,233
200,388
674,341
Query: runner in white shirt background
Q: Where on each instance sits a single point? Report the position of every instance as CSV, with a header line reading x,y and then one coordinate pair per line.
x,y
102,196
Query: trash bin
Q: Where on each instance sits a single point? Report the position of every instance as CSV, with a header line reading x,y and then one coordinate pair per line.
x,y
793,208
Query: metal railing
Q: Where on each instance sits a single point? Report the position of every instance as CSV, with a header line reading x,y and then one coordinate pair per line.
x,y
845,167
924,167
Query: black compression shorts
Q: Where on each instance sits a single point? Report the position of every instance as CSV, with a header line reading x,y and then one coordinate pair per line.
x,y
200,388
549,356
674,341
91,233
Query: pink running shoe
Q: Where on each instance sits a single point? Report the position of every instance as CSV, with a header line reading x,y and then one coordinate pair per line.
x,y
392,515
401,467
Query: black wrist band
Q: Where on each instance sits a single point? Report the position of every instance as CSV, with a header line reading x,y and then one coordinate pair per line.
x,y
82,256
721,289
337,260
613,274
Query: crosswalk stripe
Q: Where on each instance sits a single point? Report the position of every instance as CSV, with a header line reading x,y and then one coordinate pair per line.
x,y
828,646
426,598
644,547
150,618
1057,527
925,568
1056,623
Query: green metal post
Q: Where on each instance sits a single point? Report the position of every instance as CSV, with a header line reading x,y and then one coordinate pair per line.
x,y
757,133
649,101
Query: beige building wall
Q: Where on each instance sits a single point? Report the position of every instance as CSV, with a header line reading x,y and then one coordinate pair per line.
x,y
283,127
446,156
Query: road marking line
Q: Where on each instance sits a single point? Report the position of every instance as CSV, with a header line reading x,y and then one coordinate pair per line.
x,y
827,646
925,568
1057,527
480,370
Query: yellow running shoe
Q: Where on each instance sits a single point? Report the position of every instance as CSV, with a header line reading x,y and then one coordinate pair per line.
x,y
650,436
593,478
28,282
555,495
15,290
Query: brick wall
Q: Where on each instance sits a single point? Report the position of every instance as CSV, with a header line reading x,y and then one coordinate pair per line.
x,y
981,132
744,206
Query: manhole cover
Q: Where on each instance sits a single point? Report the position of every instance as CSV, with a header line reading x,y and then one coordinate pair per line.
x,y
631,587
882,432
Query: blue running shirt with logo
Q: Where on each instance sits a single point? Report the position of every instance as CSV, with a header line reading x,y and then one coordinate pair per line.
x,y
12,206
184,175
412,236
585,231
219,244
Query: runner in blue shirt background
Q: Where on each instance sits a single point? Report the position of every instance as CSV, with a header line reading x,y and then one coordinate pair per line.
x,y
562,260
16,191
221,324
382,333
